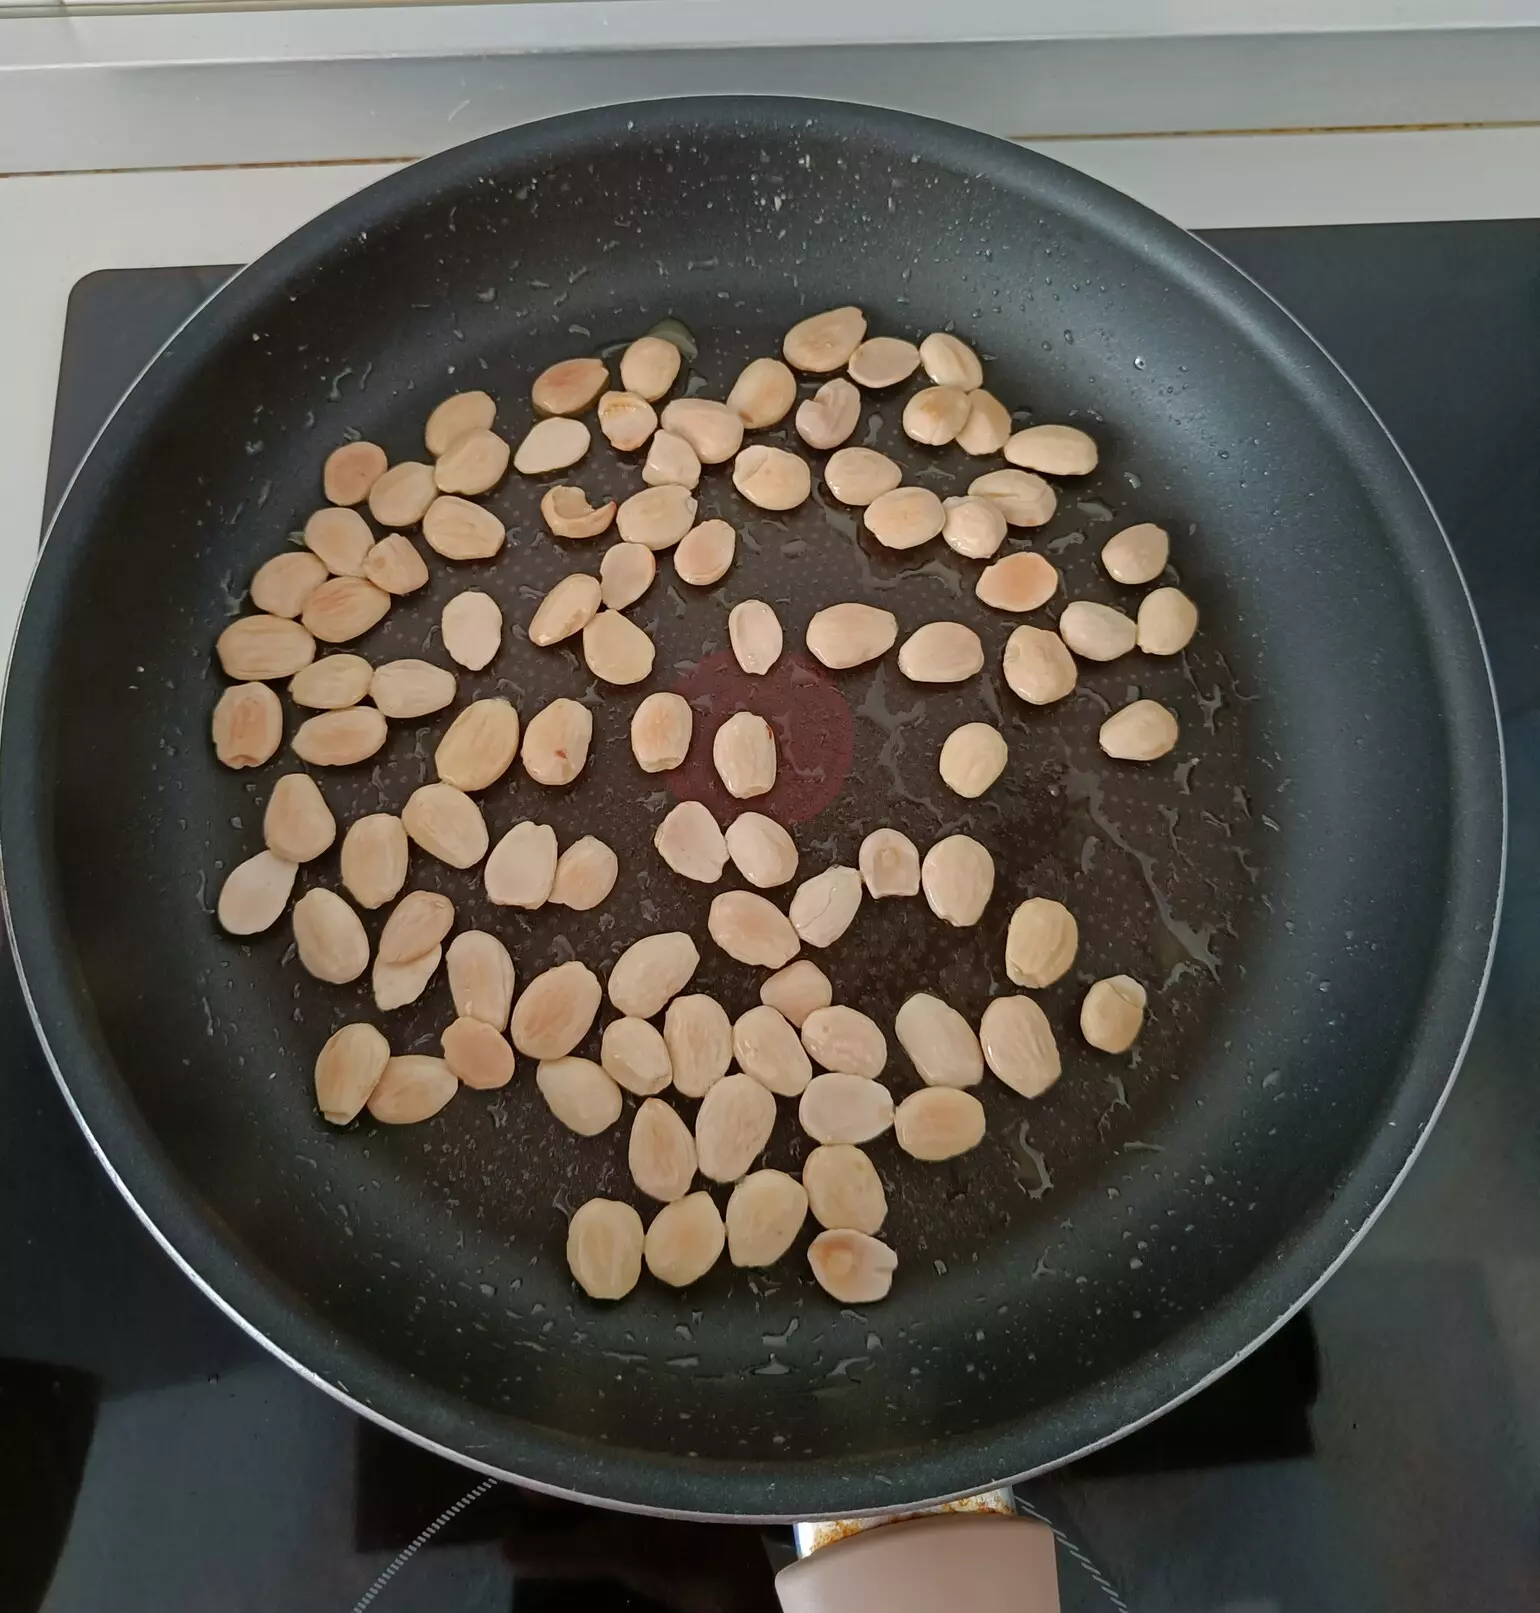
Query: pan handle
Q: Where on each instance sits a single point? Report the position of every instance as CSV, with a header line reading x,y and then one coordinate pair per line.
x,y
974,1562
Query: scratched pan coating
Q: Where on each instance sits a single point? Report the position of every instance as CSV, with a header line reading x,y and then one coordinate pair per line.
x,y
1306,884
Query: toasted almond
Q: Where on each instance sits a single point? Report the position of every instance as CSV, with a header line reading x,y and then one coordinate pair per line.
x,y
752,930
396,984
671,462
841,1038
402,495
407,689
330,937
283,584
827,419
1024,499
569,514
256,649
763,394
939,1041
339,738
824,342
604,1248
766,1047
522,867
1019,1046
1137,554
567,609
843,1189
555,1010
344,608
247,725
661,727
1141,732
1167,621
332,683
941,652
411,1088
580,1095
958,878
974,527
479,746
451,419
764,1215
1041,942
351,470
395,565
1096,632
712,429
743,751
1019,582
461,530
635,1056
699,1039
988,426
626,572
472,629
949,361
690,841
652,970
939,1123
935,415
851,634
825,906
481,977
972,759
905,518
585,874
556,745
860,476
347,1070
551,445
627,420
298,825
842,1108
341,539
649,367
660,1152
705,552
1053,450
475,462
569,387
797,990
255,893
852,1267
754,631
616,650
761,850
732,1126
1038,666
418,923
685,1240
883,361
657,517
890,864
374,859
447,824
772,478
477,1055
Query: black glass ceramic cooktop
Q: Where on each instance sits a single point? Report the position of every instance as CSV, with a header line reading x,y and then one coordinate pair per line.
x,y
1381,1453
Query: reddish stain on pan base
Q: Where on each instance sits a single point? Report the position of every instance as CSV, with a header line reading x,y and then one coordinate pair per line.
x,y
814,735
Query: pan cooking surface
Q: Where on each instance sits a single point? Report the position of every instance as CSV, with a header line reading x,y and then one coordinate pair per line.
x,y
1311,863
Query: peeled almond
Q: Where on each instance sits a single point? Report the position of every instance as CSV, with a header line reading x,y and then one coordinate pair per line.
x,y
569,387
580,1095
974,527
477,1055
1137,554
1096,632
472,629
987,427
851,1267
329,937
569,514
690,841
752,930
635,1056
825,906
407,689
283,584
255,893
522,867
712,429
417,924
657,517
827,419
1019,582
604,1248
798,990
1019,1046
705,552
958,878
481,977
374,859
764,1215
551,445
585,874
1141,732
330,684
626,572
743,750
461,530
556,742
298,825
671,462
402,495
660,732
1038,666
616,650
851,634
395,565
397,984
451,419
1053,450
824,342
649,367
652,970
478,747
351,470
763,394
555,1011
772,478
732,1127
1167,621
254,649
475,462
754,631
766,1047
841,1038
972,758
949,361
347,1070
660,1152
446,823
699,1039
627,420
905,518
939,1041
859,476
842,1108
339,738
939,1123
883,361
761,850
935,415
1024,499
341,539
344,608
941,652
890,864
843,1188
247,724
411,1088
567,609
685,1240
1041,942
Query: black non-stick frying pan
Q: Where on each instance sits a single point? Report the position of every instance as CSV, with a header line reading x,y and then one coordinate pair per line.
x,y
1307,884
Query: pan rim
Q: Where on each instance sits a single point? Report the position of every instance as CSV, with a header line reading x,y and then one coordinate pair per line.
x,y
637,1481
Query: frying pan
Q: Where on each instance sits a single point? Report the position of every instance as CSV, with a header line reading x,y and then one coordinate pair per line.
x,y
1308,884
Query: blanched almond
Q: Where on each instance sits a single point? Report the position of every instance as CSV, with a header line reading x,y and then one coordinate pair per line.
x,y
685,1240
1041,942
341,539
1141,732
843,1189
798,990
763,394
332,683
660,731
941,652
772,478
935,415
395,565
567,609
1096,632
1053,450
671,462
649,367
344,608
580,1095
699,1039
283,584
1019,582
397,984
627,420
330,937
411,1088
842,1108
407,689
974,527
460,530
255,893
626,572
247,725
851,634
569,514
824,342
1137,554
464,411
827,419
479,746
754,631
569,387
958,877
766,1047
402,495
472,629
743,751
652,970
761,850
949,361
585,874
475,462
254,649
1038,666
657,517
825,906
522,867
841,1038
347,1070
660,1152
705,552
551,445
690,841
972,758
374,859
1024,499
555,1010
890,864
939,1123
987,427
859,476
939,1041
418,923
635,1056
616,650
339,738
883,361
556,744
752,930
905,518
477,1054
351,470
712,429
1019,1046
1167,621
764,1215
298,825
481,977
732,1126
446,823
604,1248
852,1267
